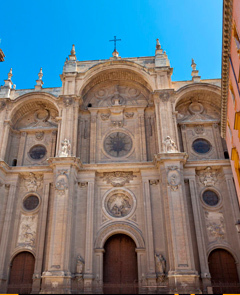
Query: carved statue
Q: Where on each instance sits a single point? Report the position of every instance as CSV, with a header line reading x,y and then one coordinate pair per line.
x,y
170,145
160,264
65,148
33,182
79,265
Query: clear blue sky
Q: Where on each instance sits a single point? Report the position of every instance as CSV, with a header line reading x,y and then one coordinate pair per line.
x,y
38,34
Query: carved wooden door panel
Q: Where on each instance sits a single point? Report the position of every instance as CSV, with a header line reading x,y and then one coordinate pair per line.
x,y
224,275
22,269
120,266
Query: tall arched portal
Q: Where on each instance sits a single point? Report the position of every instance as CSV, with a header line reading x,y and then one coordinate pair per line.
x,y
21,273
120,274
223,270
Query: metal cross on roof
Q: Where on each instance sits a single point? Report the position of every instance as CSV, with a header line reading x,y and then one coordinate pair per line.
x,y
115,42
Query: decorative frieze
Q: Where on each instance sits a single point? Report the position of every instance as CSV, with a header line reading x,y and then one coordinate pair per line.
x,y
118,178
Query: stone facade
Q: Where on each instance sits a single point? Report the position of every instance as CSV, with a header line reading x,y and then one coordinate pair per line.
x,y
119,148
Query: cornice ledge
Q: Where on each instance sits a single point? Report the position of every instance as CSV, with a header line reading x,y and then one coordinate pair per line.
x,y
65,161
163,157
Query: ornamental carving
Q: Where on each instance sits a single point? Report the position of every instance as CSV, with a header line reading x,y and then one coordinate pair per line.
x,y
154,182
39,135
208,176
117,123
65,148
199,129
170,146
61,184
215,225
129,115
119,205
164,96
33,182
80,265
105,117
27,231
118,178
160,262
83,184
67,101
173,178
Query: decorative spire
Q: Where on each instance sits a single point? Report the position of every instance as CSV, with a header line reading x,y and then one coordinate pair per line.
x,y
39,81
161,59
195,76
8,82
72,56
10,75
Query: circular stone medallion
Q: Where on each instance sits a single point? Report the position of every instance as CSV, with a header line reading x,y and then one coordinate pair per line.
x,y
118,144
119,205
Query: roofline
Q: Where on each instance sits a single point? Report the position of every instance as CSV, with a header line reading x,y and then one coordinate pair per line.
x,y
226,44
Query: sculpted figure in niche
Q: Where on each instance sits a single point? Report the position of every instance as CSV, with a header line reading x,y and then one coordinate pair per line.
x,y
79,265
160,264
170,145
65,148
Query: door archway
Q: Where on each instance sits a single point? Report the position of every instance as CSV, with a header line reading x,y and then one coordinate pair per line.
x,y
120,272
223,270
21,273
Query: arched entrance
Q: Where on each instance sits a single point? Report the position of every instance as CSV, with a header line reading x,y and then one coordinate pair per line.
x,y
21,273
120,273
223,270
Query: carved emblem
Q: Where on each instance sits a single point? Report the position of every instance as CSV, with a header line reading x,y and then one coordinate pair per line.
x,y
170,146
119,205
65,148
27,231
67,101
173,178
105,117
208,176
129,115
39,135
62,182
33,182
117,123
164,96
199,129
154,182
118,178
83,184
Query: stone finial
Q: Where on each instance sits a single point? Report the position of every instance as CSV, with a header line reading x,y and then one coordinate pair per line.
x,y
115,53
195,76
39,81
8,83
158,46
72,56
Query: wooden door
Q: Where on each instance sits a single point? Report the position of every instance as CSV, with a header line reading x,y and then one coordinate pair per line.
x,y
223,270
120,266
21,273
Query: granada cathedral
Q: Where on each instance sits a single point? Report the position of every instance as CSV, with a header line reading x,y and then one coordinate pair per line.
x,y
116,182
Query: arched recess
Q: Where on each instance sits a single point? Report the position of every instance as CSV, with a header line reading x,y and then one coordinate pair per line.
x,y
132,88
223,270
198,109
31,134
21,273
119,228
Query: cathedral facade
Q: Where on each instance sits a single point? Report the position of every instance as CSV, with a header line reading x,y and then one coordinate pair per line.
x,y
118,181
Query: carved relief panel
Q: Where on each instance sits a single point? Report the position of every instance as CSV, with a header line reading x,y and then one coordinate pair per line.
x,y
27,231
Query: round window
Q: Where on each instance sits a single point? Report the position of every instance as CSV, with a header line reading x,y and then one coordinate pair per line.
x,y
37,152
201,146
31,203
210,198
118,144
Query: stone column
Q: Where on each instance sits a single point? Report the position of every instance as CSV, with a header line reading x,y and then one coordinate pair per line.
x,y
93,135
5,139
141,124
7,235
22,147
218,141
151,272
158,123
199,226
99,273
182,266
142,281
88,273
43,214
57,277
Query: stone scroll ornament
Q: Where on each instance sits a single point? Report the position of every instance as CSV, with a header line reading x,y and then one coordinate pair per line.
x,y
170,146
61,184
65,148
173,178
